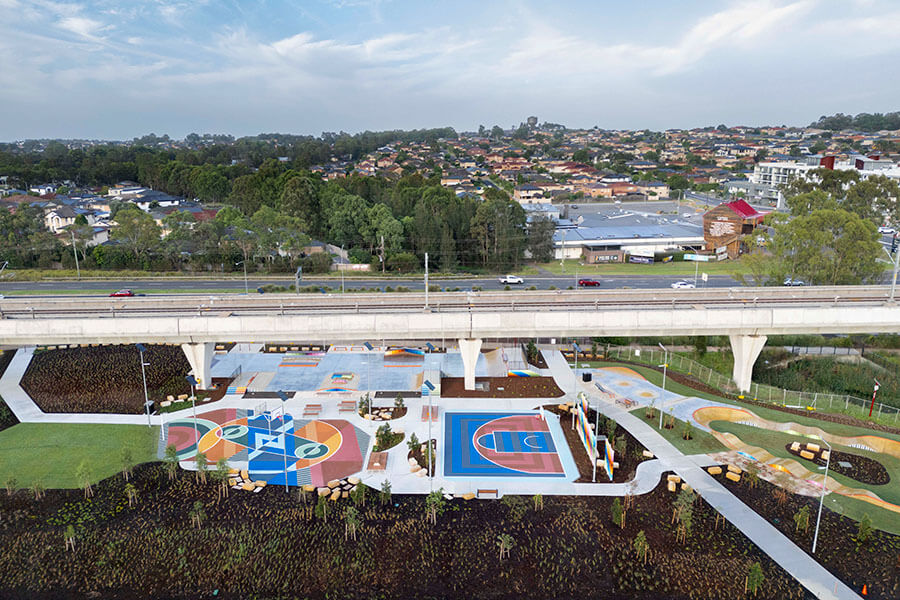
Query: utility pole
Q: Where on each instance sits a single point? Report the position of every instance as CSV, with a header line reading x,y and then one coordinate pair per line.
x,y
896,261
381,253
342,268
298,276
426,280
78,269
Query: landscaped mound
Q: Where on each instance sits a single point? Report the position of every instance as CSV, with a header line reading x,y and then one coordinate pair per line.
x,y
862,468
104,379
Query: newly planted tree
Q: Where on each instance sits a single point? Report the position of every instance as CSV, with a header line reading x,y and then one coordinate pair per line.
x,y
505,542
517,506
171,460
385,491
321,510
222,474
351,522
69,537
435,505
11,483
618,513
398,401
131,494
202,466
37,488
683,513
865,531
538,502
755,578
197,514
641,546
358,495
84,476
127,457
801,519
413,443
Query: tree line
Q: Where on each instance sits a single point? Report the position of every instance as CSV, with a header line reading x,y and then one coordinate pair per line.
x,y
861,122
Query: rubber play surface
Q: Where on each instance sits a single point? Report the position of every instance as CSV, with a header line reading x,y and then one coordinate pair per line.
x,y
310,451
500,445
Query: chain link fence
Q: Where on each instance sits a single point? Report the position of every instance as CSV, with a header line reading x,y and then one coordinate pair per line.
x,y
818,401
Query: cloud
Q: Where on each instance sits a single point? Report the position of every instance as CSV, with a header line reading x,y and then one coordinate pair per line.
x,y
83,26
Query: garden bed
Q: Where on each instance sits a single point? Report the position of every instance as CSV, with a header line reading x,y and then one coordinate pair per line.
x,y
875,563
104,379
862,468
513,387
568,549
628,461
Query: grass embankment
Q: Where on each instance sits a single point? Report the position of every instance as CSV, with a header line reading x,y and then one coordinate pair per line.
x,y
50,453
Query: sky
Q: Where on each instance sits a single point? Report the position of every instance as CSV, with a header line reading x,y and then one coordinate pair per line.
x,y
118,69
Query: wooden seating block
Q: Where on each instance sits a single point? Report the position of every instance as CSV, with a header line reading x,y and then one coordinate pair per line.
x,y
807,454
335,495
324,491
795,447
647,454
245,474
308,487
826,454
674,478
259,483
813,447
734,469
333,483
715,470
469,496
248,487
672,486
733,476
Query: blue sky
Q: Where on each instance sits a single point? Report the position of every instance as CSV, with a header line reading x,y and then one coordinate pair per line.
x,y
118,69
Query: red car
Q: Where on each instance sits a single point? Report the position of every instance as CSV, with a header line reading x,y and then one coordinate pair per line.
x,y
122,294
588,283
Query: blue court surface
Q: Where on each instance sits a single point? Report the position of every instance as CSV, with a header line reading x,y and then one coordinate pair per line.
x,y
518,444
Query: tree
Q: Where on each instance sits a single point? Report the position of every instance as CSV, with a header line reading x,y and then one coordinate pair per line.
x,y
398,401
413,442
69,537
197,514
84,475
801,519
358,495
321,509
127,461
385,491
37,488
581,156
865,531
351,522
538,502
540,239
435,505
170,459
683,513
202,466
505,542
131,494
10,484
222,474
755,578
300,198
136,230
618,513
827,247
517,507
403,262
641,546
380,225
499,227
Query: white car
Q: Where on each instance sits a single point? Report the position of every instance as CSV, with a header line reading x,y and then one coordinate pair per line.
x,y
683,285
886,229
511,279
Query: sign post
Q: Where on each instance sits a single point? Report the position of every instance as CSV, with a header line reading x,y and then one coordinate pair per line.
x,y
877,385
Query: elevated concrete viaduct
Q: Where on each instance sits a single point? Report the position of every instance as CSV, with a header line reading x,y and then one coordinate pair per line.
x,y
746,315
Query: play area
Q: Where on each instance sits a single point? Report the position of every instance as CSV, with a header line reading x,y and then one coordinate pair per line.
x,y
503,445
270,446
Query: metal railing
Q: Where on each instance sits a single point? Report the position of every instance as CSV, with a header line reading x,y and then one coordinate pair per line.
x,y
813,401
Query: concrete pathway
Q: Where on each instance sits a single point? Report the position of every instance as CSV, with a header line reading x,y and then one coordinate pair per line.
x,y
805,569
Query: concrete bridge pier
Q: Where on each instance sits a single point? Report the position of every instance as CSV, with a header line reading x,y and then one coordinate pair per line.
x,y
746,349
200,358
469,350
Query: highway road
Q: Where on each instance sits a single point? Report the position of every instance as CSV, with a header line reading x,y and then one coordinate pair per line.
x,y
151,286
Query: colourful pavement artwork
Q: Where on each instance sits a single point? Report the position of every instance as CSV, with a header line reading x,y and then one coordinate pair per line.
x,y
499,445
316,451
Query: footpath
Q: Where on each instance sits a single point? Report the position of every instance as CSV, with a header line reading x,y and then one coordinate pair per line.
x,y
805,569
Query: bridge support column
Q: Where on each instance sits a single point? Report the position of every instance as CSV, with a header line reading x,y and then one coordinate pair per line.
x,y
469,349
746,349
200,358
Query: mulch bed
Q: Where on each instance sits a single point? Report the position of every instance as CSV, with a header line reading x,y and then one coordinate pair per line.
x,y
875,564
829,417
568,549
513,387
864,469
537,361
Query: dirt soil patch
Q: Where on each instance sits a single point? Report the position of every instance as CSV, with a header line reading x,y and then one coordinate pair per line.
x,y
568,549
513,387
875,563
863,469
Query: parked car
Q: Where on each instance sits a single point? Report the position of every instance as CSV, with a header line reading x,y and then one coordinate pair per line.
x,y
886,229
790,281
511,279
588,283
683,285
122,294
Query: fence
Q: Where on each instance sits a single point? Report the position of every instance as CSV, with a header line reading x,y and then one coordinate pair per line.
x,y
819,401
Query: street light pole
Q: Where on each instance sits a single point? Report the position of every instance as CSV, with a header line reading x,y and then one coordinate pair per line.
x,y
78,269
283,397
426,281
342,268
662,397
191,380
822,497
141,348
246,287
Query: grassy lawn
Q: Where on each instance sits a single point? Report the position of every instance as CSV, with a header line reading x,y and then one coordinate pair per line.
x,y
701,442
674,269
49,453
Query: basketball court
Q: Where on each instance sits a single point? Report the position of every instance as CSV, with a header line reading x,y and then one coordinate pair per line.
x,y
491,444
